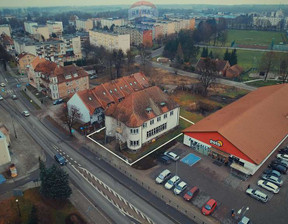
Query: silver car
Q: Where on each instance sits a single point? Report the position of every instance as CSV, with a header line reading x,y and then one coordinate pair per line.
x,y
276,180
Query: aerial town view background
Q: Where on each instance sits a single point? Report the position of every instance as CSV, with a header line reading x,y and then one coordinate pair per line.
x,y
143,112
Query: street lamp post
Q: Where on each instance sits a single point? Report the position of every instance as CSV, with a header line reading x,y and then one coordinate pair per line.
x,y
19,212
245,211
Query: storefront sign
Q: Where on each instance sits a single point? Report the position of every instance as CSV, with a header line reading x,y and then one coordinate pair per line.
x,y
218,143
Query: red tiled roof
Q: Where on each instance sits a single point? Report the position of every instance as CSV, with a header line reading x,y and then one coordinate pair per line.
x,y
144,3
255,124
132,111
234,71
220,64
36,61
106,95
7,40
24,54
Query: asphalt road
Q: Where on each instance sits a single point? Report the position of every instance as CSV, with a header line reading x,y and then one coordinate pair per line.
x,y
121,184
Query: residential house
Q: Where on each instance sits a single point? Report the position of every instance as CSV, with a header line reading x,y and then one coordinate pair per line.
x,y
24,61
92,103
141,117
234,71
57,81
221,66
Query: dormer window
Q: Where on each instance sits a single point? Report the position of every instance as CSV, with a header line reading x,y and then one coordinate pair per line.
x,y
148,110
104,93
115,90
68,77
162,104
110,91
134,82
130,83
75,75
89,98
121,87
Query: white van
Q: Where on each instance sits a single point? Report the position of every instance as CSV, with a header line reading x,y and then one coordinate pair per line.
x,y
164,175
259,195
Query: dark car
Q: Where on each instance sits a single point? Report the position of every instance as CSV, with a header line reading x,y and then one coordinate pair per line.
x,y
60,159
59,101
280,162
272,172
93,77
284,150
164,159
281,169
191,193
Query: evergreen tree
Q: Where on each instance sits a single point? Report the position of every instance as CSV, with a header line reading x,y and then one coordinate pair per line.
x,y
33,219
54,182
233,58
211,55
179,55
227,55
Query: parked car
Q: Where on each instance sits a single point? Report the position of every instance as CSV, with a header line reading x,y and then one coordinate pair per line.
x,y
164,175
272,172
209,207
13,170
60,159
257,194
284,150
172,155
279,168
172,182
269,186
93,77
245,220
280,162
2,84
14,97
191,193
59,101
276,180
1,97
180,187
282,156
164,159
25,113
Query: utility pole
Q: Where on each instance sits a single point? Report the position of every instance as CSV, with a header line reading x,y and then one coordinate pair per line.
x,y
19,212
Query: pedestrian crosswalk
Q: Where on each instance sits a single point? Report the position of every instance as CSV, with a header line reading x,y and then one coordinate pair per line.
x,y
6,91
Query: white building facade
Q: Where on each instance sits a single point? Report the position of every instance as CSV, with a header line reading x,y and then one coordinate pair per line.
x,y
110,41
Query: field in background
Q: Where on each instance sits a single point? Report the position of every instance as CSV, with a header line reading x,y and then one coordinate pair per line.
x,y
253,37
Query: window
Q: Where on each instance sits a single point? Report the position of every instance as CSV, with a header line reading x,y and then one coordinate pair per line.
x,y
158,118
134,131
151,122
145,125
165,116
134,143
171,113
156,130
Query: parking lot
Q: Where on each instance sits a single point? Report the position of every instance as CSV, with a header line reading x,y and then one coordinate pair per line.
x,y
216,181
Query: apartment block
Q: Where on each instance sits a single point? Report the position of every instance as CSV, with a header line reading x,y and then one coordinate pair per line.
x,y
55,27
112,21
84,25
57,81
5,28
110,40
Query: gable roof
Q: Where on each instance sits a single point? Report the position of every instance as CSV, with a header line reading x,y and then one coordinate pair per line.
x,y
234,71
36,61
112,92
132,111
220,64
255,124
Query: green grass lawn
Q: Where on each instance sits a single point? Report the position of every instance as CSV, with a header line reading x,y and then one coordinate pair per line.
x,y
253,37
263,83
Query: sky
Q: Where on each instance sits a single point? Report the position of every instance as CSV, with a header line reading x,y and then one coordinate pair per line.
x,y
41,3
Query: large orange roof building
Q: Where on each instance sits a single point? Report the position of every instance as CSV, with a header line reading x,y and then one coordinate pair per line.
x,y
245,132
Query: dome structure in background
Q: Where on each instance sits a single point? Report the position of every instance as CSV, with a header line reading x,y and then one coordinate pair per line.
x,y
143,10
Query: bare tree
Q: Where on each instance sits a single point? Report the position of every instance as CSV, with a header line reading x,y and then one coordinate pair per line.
x,y
130,59
207,75
267,62
118,59
283,69
71,115
144,55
